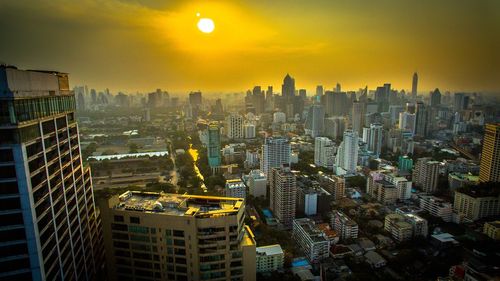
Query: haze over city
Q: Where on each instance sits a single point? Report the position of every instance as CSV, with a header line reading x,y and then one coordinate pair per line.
x,y
147,44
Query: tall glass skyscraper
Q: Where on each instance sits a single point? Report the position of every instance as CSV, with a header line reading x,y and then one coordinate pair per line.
x,y
49,228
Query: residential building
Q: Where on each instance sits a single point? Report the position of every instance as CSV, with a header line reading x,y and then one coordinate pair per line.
x,y
347,154
346,227
270,258
375,260
436,207
275,152
234,124
357,118
307,201
405,164
257,183
50,229
283,193
162,236
490,157
235,188
324,152
311,240
476,203
492,229
335,185
426,174
399,229
335,127
315,121
249,130
375,139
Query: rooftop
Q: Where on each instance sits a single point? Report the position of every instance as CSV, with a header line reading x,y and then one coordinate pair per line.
x,y
269,250
178,204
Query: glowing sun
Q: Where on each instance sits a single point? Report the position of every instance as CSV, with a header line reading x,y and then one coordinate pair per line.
x,y
206,25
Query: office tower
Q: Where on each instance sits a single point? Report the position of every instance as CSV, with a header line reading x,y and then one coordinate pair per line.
x,y
275,152
218,108
407,121
375,139
258,99
270,258
358,115
235,188
195,99
161,236
269,106
214,146
414,85
426,174
283,194
324,152
382,97
80,98
422,120
319,93
234,123
394,111
311,240
93,96
303,94
335,127
489,170
49,225
336,103
347,154
288,95
435,98
461,101
257,183
346,227
338,88
315,121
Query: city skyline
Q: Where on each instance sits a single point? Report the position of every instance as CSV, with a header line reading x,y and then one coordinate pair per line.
x,y
115,44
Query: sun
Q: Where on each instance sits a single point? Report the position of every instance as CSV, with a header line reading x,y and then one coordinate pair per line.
x,y
206,25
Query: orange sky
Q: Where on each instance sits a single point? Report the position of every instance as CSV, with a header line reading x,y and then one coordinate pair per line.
x,y
147,44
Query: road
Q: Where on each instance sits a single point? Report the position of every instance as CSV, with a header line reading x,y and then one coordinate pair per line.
x,y
174,173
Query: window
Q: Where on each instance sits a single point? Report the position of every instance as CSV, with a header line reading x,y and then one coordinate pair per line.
x,y
178,233
119,218
135,220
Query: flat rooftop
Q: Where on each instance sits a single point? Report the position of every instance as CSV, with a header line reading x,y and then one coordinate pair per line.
x,y
270,250
177,204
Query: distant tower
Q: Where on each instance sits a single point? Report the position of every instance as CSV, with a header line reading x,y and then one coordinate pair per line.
x,y
315,121
414,85
288,95
490,157
214,146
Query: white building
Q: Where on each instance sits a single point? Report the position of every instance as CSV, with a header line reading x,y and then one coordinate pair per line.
x,y
436,207
269,258
275,152
257,183
252,158
249,130
375,139
312,241
324,152
279,117
235,188
314,125
347,154
343,225
234,123
426,174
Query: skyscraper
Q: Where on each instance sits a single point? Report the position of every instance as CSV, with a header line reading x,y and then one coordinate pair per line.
x,y
435,98
422,120
161,236
414,85
336,103
382,97
324,152
319,93
214,146
375,139
347,154
283,192
407,121
50,229
315,121
275,152
288,95
490,157
234,123
357,118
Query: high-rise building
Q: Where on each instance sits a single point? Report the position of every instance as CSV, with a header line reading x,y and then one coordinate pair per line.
x,y
336,103
235,188
195,99
461,101
335,127
283,194
258,99
214,146
49,225
319,93
334,185
375,139
160,236
234,123
314,125
489,169
257,183
422,120
311,240
324,152
275,152
249,130
407,121
476,203
288,95
414,85
435,98
346,227
358,115
382,97
347,154
426,174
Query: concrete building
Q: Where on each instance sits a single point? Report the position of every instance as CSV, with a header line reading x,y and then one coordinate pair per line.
x,y
436,207
334,185
275,152
315,122
257,183
324,152
490,157
214,146
418,224
399,229
270,258
234,124
235,188
426,174
357,117
311,240
335,126
476,203
375,139
163,236
347,155
407,121
307,201
49,225
387,188
283,193
343,225
492,229
249,130
279,117
375,260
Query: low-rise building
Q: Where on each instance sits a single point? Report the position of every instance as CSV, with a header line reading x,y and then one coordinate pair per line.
x,y
399,229
257,183
375,260
346,227
235,188
311,239
269,258
492,229
436,207
478,202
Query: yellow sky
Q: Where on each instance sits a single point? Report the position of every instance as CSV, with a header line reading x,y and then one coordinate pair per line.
x,y
146,44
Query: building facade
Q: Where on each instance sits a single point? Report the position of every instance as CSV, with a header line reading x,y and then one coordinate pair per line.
x,y
283,194
490,157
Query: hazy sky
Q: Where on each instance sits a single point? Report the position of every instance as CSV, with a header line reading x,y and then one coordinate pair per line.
x,y
147,44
